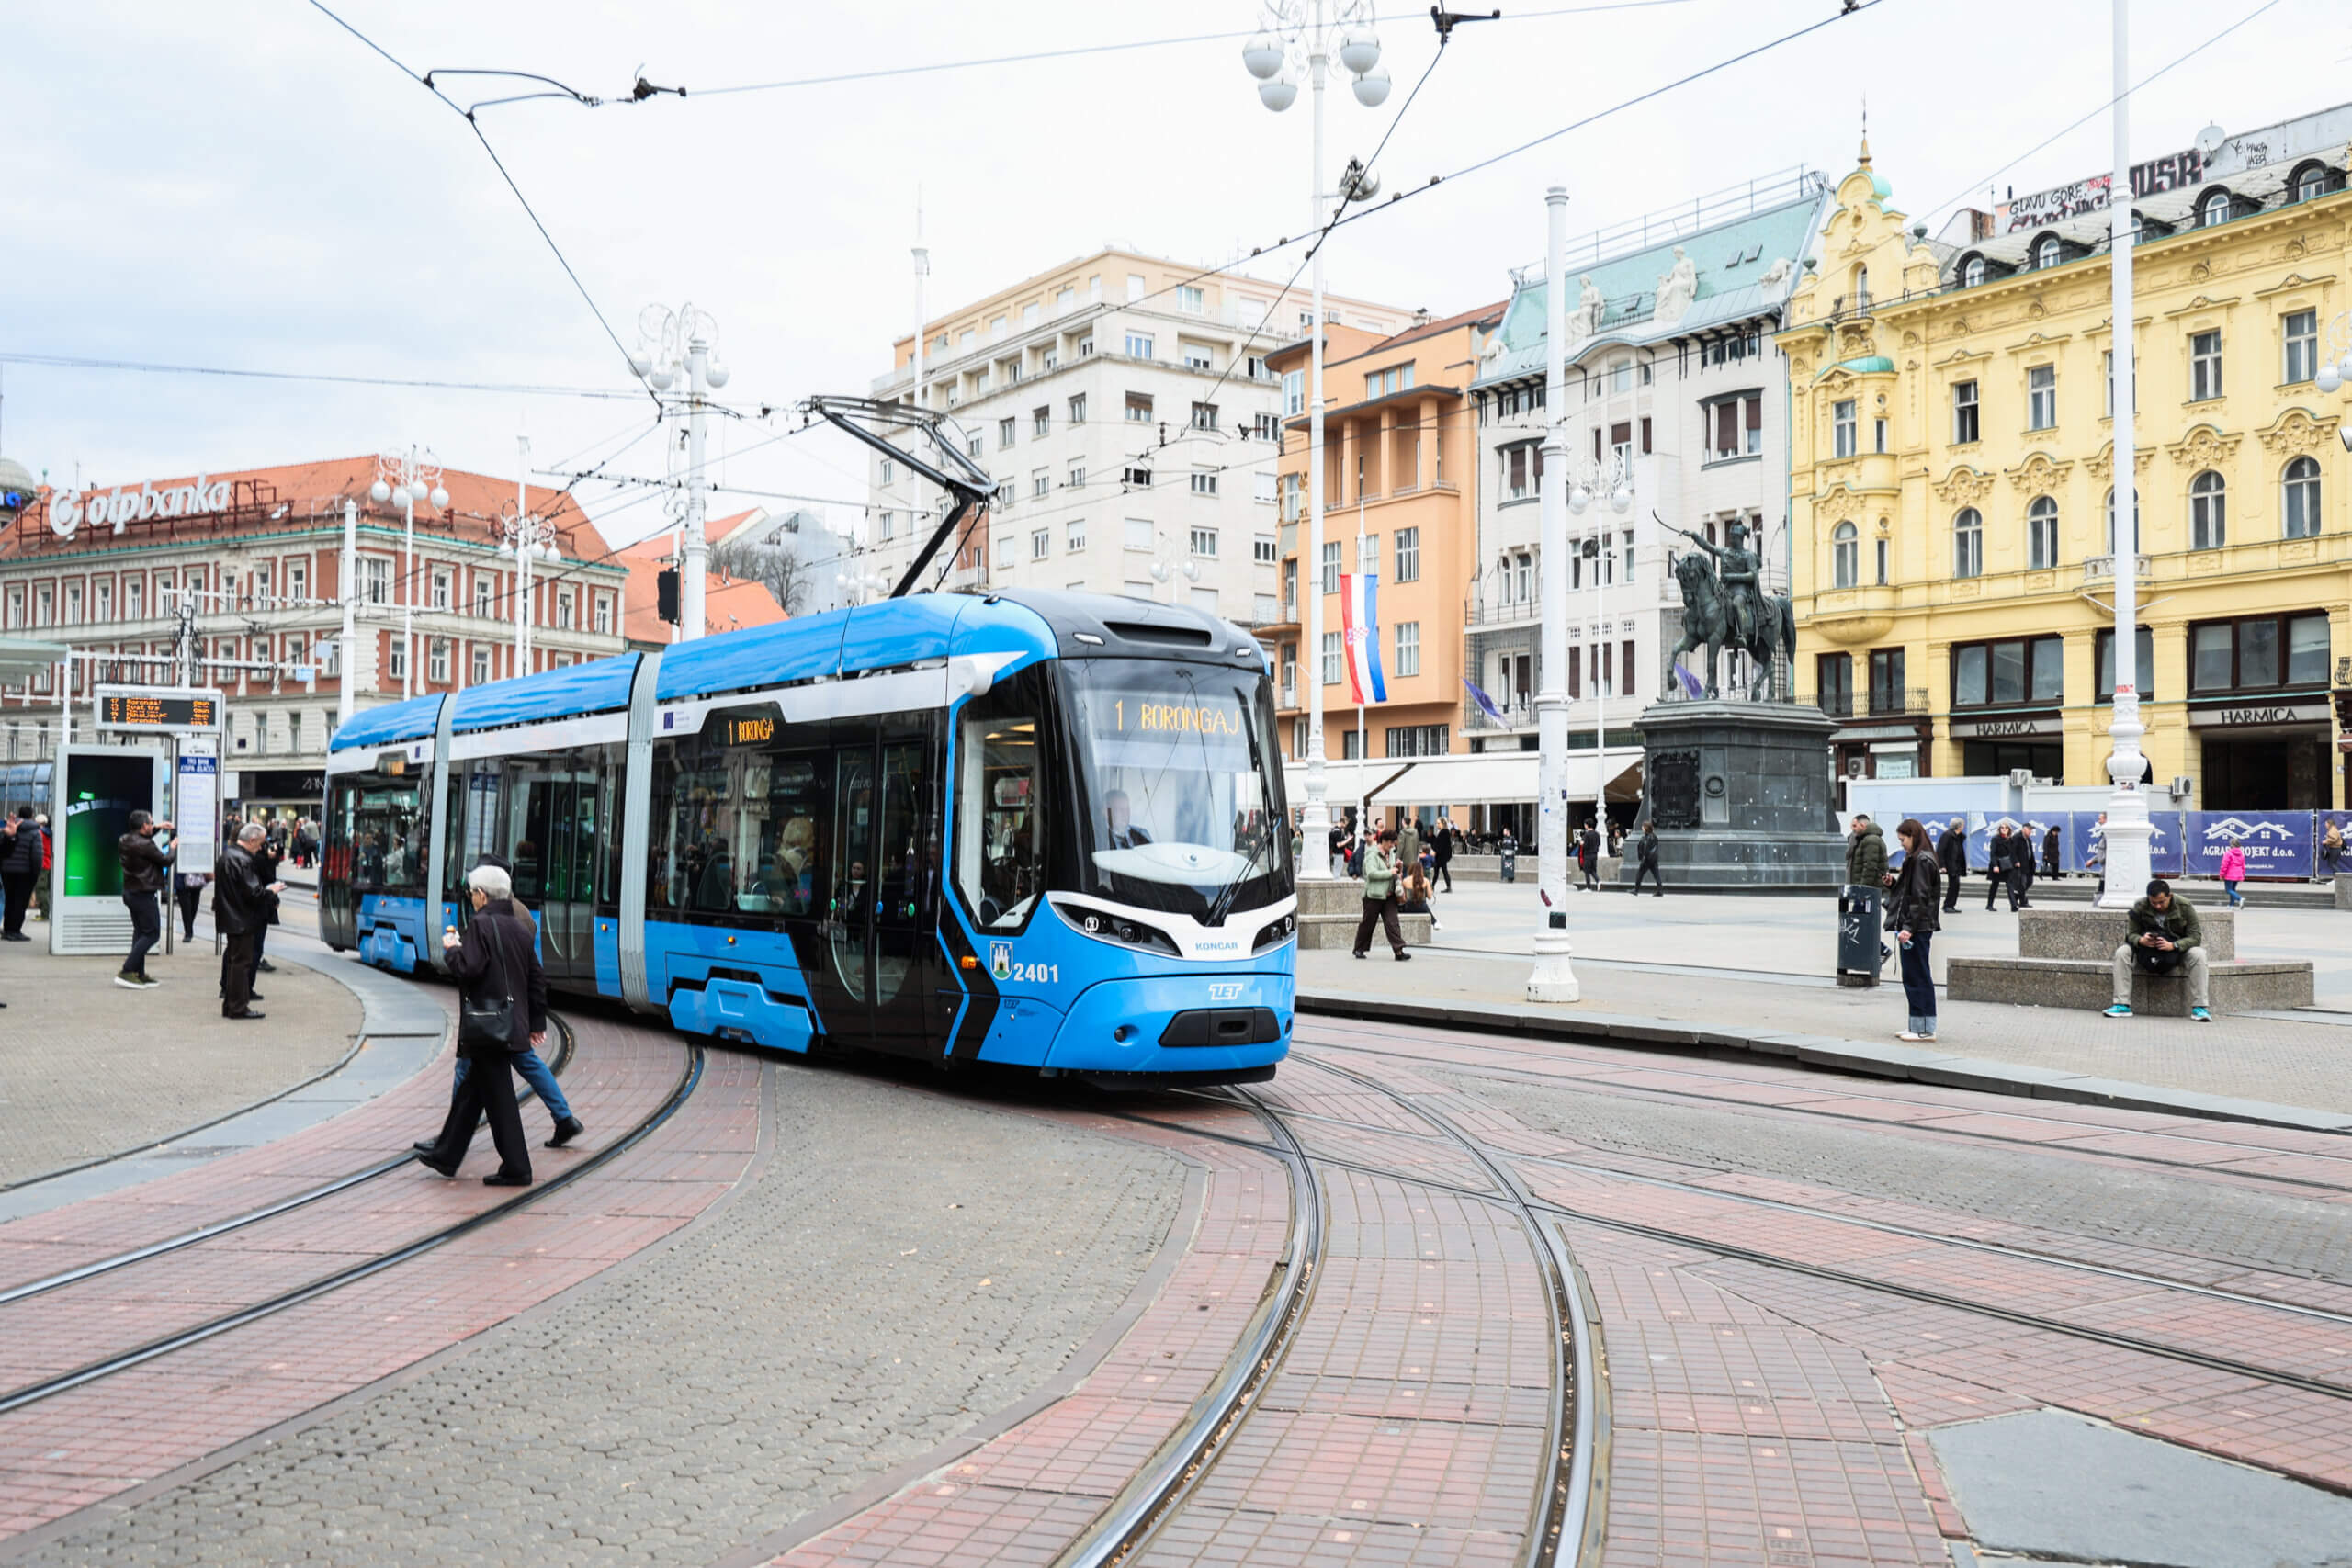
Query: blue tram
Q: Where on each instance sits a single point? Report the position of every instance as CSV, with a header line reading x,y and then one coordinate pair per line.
x,y
1037,828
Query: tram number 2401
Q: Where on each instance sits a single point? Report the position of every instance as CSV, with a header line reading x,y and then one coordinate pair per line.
x,y
1002,965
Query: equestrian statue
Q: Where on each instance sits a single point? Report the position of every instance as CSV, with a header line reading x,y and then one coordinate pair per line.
x,y
1731,610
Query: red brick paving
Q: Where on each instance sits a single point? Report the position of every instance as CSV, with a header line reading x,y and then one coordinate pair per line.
x,y
92,1442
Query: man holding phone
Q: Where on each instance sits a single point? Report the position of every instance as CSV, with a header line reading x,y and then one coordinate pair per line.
x,y
242,902
144,867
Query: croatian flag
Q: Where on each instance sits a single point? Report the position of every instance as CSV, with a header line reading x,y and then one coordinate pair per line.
x,y
1360,617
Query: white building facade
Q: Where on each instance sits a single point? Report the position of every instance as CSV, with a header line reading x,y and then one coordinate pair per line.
x,y
1673,381
1122,405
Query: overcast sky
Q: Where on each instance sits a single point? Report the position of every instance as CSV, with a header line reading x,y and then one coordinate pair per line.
x,y
245,185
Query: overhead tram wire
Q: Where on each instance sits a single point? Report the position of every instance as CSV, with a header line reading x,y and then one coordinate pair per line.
x,y
474,125
504,389
1080,50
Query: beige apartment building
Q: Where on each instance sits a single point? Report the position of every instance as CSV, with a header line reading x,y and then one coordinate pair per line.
x,y
1123,404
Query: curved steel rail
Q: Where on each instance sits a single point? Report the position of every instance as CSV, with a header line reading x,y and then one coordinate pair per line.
x,y
18,1399
1179,1463
252,1217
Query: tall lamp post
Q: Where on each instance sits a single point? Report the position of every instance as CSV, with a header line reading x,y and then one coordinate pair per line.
x,y
525,539
1314,29
1552,980
2127,828
672,345
404,480
1614,489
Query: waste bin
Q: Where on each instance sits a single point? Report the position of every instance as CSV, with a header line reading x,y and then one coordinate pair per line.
x,y
1859,936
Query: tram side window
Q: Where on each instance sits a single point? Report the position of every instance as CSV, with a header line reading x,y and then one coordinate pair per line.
x,y
738,828
999,818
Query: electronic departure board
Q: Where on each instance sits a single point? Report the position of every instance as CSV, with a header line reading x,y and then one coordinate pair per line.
x,y
157,710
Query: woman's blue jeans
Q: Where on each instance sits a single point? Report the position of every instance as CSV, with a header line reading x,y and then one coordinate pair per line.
x,y
1919,984
535,1073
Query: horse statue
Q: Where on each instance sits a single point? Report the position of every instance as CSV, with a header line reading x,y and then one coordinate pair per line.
x,y
1729,612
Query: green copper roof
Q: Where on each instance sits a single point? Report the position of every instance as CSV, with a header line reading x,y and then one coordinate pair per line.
x,y
1862,366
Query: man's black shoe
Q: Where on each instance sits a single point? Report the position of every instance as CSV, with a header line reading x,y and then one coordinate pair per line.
x,y
437,1169
500,1179
245,1017
266,968
566,1130
426,1146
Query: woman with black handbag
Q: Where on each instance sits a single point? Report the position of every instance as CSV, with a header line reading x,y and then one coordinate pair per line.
x,y
502,1009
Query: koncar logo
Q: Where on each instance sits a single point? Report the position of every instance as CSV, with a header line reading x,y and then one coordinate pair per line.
x,y
2239,827
1000,960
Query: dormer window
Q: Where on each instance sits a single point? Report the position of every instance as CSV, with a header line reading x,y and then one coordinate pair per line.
x,y
2216,208
2046,252
1971,272
2311,182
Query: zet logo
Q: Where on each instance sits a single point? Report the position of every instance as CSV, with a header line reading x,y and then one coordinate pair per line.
x,y
1226,991
1000,960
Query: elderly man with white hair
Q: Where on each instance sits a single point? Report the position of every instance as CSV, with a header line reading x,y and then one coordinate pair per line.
x,y
242,904
502,1009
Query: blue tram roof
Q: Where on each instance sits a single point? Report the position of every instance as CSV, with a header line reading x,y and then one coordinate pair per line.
x,y
383,726
880,635
599,686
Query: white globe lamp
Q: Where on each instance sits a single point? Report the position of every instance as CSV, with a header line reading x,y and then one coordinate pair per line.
x,y
1359,50
1263,57
1279,92
440,498
2330,380
1372,88
380,492
717,373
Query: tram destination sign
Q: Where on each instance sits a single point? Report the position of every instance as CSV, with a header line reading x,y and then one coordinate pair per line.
x,y
168,711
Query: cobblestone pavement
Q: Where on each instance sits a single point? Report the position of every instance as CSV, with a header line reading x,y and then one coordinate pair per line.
x,y
2252,1058
1785,1320
905,1263
88,1069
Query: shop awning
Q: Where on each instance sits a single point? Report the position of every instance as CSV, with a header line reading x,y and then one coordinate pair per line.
x,y
1493,778
20,657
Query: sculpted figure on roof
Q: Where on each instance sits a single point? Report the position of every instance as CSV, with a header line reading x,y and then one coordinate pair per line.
x,y
1677,288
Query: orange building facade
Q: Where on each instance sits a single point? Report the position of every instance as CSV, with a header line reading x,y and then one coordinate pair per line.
x,y
1401,479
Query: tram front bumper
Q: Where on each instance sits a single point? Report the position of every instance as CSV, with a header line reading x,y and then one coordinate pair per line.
x,y
1178,1024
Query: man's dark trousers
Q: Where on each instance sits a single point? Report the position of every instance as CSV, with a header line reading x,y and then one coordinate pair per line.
x,y
146,929
16,898
237,975
489,1085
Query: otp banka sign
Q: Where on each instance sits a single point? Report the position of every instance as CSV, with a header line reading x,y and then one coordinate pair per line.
x,y
68,509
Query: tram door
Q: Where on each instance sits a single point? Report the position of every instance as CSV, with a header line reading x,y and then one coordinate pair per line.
x,y
880,964
552,806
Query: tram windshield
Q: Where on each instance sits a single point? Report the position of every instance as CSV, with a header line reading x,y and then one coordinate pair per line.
x,y
1182,809
379,823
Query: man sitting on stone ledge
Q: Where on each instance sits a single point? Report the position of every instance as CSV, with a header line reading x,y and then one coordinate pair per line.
x,y
2165,935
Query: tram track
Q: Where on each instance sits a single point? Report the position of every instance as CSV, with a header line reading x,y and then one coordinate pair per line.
x,y
689,1077
1719,1248
1566,1505
266,1212
1857,1091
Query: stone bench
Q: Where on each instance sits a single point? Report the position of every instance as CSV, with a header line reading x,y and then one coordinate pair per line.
x,y
2096,933
1328,913
2089,984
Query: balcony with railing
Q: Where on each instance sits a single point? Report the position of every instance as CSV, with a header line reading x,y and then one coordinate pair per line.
x,y
1883,702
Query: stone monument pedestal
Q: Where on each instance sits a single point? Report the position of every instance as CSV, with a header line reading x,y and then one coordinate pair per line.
x,y
1743,797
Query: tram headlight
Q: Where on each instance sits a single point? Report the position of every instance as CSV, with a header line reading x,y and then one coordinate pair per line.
x,y
1274,933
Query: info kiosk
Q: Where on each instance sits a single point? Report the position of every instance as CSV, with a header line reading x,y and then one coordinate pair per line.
x,y
97,789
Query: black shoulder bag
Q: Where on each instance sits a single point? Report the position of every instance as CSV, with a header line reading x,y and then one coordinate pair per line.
x,y
488,1022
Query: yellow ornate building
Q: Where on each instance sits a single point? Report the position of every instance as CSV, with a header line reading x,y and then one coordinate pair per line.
x,y
1951,479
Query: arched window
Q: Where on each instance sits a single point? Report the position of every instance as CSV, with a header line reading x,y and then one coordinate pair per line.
x,y
2209,524
2046,251
1862,287
1971,272
2216,208
1968,543
2135,522
1845,555
2301,501
2042,533
2311,183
